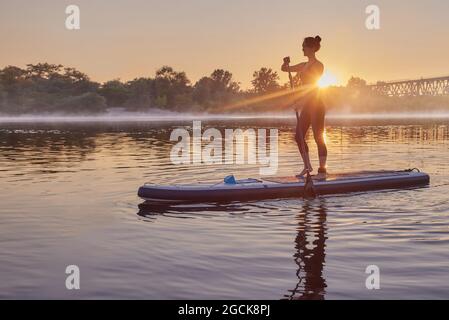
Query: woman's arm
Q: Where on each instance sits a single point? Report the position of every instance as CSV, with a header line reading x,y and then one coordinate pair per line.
x,y
296,68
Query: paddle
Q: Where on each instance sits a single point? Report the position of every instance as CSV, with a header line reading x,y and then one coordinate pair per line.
x,y
309,189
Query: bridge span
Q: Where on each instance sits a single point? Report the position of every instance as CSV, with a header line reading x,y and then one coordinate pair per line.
x,y
421,87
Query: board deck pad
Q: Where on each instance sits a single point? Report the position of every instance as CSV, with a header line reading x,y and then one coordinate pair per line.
x,y
336,176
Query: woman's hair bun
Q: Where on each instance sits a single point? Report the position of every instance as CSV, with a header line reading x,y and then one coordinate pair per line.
x,y
313,42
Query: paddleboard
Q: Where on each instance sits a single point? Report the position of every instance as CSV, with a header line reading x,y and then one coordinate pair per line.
x,y
283,187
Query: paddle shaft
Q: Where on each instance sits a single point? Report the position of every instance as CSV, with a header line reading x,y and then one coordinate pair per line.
x,y
309,189
301,137
292,86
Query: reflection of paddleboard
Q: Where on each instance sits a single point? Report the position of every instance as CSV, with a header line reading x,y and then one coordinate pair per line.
x,y
283,187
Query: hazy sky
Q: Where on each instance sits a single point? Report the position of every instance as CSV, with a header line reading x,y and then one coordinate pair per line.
x,y
131,38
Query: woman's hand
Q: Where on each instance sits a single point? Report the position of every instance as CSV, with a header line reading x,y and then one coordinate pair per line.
x,y
296,105
285,67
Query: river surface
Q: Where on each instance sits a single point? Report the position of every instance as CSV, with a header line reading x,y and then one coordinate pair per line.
x,y
68,197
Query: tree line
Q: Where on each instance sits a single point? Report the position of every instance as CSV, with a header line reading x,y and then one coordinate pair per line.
x,y
49,88
45,88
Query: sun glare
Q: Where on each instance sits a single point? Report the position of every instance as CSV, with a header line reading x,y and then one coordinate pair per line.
x,y
328,79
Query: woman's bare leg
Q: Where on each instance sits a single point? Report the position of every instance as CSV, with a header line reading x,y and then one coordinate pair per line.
x,y
302,126
318,127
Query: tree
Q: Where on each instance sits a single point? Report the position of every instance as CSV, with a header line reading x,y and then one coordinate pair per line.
x,y
140,91
222,81
356,82
11,75
203,91
3,95
43,70
217,89
88,102
171,79
75,76
169,84
265,81
115,92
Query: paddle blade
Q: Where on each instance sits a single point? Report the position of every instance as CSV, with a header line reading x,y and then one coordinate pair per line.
x,y
309,189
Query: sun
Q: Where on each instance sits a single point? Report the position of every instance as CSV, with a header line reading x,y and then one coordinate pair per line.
x,y
327,79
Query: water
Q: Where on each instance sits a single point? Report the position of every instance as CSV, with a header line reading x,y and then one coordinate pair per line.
x,y
68,197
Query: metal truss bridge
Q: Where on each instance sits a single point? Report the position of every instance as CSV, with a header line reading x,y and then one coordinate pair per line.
x,y
420,87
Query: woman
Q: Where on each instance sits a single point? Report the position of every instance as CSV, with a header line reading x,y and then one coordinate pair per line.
x,y
313,109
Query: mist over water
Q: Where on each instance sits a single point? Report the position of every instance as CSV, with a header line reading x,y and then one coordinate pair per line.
x,y
161,115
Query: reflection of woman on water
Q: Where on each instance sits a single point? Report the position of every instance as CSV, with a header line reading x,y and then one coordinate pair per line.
x,y
313,109
310,254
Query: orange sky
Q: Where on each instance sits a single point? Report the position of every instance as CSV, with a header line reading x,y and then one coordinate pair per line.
x,y
131,38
